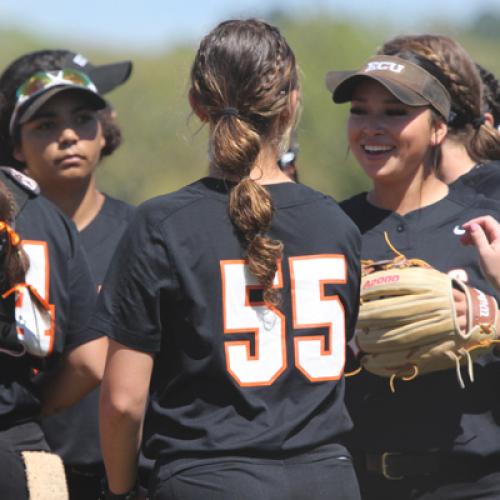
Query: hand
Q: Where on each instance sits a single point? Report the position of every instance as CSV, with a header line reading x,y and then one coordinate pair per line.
x,y
484,233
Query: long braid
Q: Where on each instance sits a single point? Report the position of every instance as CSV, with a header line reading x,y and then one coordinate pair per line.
x,y
241,78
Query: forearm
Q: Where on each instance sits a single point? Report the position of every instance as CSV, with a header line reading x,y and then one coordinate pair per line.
x,y
80,372
120,442
124,393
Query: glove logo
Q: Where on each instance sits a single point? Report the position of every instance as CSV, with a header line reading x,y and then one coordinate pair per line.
x,y
484,307
382,280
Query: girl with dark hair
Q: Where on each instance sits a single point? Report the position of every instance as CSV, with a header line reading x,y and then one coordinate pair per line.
x,y
430,439
56,127
229,303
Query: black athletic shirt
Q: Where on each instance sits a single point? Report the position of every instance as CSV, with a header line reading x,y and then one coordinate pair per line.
x,y
58,268
484,178
231,375
431,412
74,433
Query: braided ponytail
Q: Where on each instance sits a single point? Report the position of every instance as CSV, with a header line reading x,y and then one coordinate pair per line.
x,y
241,78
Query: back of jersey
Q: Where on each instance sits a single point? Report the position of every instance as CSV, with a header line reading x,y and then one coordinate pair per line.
x,y
233,374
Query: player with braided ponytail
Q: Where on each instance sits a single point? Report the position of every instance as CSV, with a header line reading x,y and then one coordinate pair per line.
x,y
435,437
237,294
470,153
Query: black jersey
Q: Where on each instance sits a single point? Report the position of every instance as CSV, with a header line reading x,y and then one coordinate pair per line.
x,y
431,412
74,433
101,236
59,271
484,178
231,374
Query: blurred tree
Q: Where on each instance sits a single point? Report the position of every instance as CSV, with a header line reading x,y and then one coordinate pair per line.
x,y
165,147
487,24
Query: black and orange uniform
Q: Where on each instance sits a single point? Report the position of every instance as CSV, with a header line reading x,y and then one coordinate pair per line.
x,y
430,439
60,273
483,178
239,385
74,433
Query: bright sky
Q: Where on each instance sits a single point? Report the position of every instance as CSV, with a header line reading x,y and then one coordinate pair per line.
x,y
141,24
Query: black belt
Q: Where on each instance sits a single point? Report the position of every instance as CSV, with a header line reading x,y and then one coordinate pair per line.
x,y
400,465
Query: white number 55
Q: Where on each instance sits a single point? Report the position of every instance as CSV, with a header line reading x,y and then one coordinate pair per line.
x,y
319,359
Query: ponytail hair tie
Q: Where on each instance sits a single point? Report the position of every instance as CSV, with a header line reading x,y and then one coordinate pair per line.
x,y
12,235
229,111
477,122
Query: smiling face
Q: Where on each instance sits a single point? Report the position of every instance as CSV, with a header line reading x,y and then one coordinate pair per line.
x,y
392,141
62,142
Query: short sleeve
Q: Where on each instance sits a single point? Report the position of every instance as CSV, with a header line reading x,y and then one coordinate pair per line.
x,y
139,278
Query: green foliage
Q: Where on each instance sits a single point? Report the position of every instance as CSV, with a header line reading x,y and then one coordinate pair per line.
x,y
165,147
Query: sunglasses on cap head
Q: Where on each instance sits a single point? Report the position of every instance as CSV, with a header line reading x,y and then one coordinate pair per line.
x,y
42,81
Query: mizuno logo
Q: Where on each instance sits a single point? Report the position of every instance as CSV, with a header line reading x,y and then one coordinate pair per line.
x,y
458,231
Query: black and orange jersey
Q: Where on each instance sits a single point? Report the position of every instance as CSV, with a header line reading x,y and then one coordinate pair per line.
x,y
232,374
431,412
484,179
74,433
59,271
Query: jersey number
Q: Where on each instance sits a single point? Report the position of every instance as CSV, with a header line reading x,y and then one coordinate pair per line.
x,y
317,357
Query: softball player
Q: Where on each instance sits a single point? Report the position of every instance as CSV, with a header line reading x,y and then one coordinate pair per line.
x,y
59,272
471,152
431,439
60,144
229,301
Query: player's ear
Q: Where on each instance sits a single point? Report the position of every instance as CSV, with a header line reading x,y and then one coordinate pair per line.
x,y
199,111
18,154
102,142
488,119
439,131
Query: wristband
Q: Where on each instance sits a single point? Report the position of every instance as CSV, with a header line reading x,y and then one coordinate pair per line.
x,y
129,495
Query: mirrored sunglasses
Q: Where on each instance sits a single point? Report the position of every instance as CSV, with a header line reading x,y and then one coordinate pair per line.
x,y
44,80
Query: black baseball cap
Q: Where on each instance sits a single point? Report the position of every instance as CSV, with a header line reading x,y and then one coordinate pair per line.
x,y
105,76
408,82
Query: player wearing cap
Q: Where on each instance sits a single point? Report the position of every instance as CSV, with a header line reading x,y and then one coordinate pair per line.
x,y
471,151
60,128
231,300
430,439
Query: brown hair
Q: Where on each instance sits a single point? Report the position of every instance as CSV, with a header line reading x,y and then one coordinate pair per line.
x,y
453,66
491,93
13,258
241,80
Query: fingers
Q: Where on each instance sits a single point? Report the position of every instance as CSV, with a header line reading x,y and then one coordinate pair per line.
x,y
479,239
489,226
